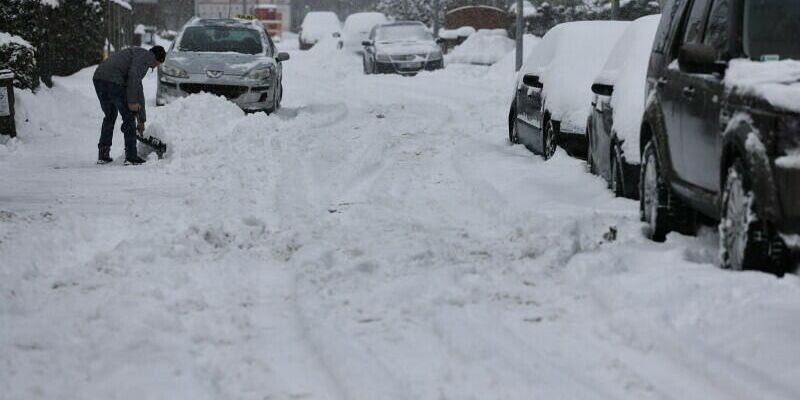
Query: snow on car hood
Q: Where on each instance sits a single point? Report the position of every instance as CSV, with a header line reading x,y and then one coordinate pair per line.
x,y
777,82
230,63
405,48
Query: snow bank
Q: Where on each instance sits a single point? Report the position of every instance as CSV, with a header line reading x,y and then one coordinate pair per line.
x,y
626,70
507,66
452,34
485,47
567,60
778,82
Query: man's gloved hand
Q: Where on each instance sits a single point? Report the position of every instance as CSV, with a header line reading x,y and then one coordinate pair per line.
x,y
135,107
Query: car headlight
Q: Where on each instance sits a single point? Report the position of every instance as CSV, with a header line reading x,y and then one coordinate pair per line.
x,y
173,71
383,57
259,73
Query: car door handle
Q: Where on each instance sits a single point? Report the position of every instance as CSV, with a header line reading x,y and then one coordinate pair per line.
x,y
689,92
661,82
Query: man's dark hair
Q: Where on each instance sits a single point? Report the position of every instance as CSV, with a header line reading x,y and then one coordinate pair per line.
x,y
159,52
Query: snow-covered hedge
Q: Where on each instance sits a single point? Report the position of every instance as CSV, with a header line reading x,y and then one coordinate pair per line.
x,y
67,35
17,55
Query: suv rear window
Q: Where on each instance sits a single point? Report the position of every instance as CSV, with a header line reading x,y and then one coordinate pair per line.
x,y
771,28
221,39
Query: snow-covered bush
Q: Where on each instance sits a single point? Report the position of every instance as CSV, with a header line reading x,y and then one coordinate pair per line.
x,y
17,55
67,35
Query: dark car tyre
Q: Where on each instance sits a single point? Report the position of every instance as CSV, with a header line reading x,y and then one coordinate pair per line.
x,y
617,184
549,140
745,241
589,158
662,211
513,130
653,195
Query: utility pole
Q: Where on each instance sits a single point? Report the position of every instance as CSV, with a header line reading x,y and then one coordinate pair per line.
x,y
436,14
520,32
615,10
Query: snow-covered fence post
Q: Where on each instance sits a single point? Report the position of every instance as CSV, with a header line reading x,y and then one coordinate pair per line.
x,y
7,126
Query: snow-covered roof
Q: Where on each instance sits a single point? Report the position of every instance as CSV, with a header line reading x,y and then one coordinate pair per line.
x,y
123,3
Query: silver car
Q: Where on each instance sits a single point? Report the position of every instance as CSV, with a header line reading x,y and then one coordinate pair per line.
x,y
226,57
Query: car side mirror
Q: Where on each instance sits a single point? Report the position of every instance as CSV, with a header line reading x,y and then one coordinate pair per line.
x,y
366,43
282,57
337,35
532,81
699,59
439,40
602,90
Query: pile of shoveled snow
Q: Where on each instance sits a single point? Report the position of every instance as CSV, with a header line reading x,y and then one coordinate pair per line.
x,y
776,81
506,66
484,47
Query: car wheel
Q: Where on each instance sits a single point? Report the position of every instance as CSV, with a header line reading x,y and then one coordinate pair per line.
x,y
617,181
589,158
660,209
549,140
279,96
513,130
745,241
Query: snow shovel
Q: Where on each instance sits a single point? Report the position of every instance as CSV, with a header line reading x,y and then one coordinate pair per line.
x,y
155,143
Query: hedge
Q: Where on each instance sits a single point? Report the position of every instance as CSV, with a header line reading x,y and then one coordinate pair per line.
x,y
67,37
19,58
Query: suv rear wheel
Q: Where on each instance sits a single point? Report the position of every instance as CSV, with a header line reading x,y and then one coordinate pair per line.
x,y
745,241
662,211
549,140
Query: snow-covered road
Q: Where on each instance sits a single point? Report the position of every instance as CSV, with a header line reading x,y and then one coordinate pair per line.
x,y
376,239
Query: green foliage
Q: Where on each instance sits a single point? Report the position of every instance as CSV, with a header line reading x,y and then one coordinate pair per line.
x,y
66,38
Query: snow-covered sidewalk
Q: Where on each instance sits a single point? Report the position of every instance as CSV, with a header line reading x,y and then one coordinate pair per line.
x,y
376,239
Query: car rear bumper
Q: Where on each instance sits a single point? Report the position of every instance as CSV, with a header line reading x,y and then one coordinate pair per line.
x,y
405,68
250,97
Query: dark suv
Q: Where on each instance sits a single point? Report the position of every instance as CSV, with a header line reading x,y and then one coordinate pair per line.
x,y
714,146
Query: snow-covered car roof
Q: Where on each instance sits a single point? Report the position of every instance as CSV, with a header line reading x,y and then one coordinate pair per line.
x,y
319,24
231,22
360,22
629,60
567,60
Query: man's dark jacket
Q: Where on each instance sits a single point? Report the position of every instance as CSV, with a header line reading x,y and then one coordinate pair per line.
x,y
127,68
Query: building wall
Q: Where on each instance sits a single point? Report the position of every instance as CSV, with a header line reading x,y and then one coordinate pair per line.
x,y
233,8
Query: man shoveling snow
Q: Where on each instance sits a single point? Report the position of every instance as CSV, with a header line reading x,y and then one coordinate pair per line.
x,y
118,83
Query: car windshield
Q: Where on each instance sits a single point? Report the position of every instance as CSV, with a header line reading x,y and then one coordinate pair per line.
x,y
771,28
221,39
396,33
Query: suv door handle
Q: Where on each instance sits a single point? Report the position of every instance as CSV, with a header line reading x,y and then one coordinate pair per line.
x,y
689,92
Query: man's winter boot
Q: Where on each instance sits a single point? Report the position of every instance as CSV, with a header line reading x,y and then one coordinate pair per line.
x,y
135,160
104,157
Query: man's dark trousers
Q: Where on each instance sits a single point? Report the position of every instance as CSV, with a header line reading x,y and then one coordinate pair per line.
x,y
112,100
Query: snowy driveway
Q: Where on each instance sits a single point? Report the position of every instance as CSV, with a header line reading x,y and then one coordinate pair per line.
x,y
377,239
